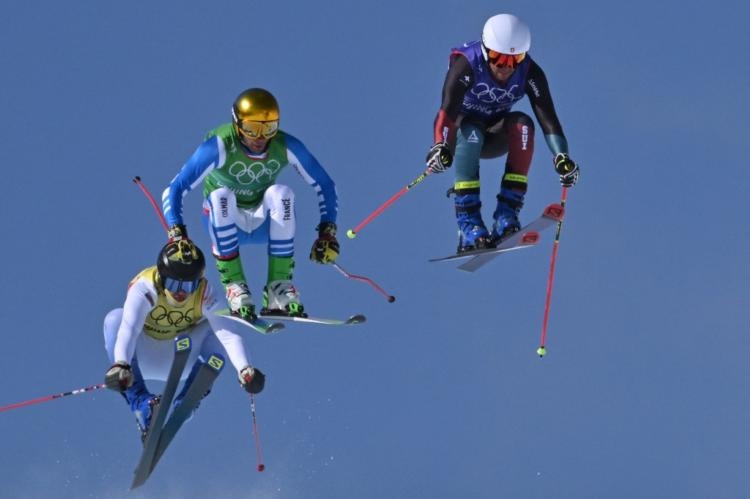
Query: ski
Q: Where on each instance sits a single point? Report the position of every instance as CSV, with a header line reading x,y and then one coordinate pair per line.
x,y
354,319
198,389
182,347
551,215
520,239
527,236
260,325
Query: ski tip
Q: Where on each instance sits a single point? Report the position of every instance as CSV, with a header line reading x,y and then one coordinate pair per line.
x,y
265,327
274,327
216,362
356,319
554,211
183,343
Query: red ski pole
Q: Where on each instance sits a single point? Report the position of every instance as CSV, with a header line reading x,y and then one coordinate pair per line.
x,y
151,199
258,452
367,280
352,233
542,350
51,397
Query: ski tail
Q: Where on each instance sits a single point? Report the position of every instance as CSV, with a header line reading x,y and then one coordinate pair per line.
x,y
260,325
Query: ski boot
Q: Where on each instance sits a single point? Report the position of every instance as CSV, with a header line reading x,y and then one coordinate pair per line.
x,y
509,204
238,294
142,403
472,233
240,302
186,387
280,297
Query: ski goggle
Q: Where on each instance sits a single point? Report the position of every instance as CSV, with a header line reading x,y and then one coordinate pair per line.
x,y
504,60
175,286
258,129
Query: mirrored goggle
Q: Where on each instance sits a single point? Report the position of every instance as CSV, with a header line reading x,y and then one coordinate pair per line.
x,y
258,129
505,60
174,286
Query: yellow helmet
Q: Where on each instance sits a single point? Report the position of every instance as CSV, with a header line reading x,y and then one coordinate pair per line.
x,y
255,113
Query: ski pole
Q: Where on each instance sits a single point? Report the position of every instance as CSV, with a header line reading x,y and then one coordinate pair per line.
x,y
140,184
258,452
542,350
352,233
369,281
51,397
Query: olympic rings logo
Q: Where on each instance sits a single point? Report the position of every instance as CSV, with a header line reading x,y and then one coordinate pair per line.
x,y
254,172
490,95
163,317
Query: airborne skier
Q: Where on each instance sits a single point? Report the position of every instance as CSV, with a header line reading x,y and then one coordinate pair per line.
x,y
485,79
169,299
243,204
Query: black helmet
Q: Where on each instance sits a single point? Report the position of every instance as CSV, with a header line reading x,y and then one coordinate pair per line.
x,y
180,260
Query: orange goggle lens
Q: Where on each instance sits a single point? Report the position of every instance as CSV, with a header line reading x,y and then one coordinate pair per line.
x,y
258,129
505,60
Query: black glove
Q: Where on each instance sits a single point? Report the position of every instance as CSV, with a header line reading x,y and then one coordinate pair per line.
x,y
325,249
567,169
252,380
119,377
177,232
439,157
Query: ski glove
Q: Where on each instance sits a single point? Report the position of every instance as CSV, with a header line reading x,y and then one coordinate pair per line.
x,y
567,169
439,157
325,249
177,232
252,380
119,377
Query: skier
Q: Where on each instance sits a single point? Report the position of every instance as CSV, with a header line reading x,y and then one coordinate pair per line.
x,y
243,204
163,301
485,79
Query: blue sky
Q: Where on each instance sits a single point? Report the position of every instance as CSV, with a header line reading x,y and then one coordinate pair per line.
x,y
643,392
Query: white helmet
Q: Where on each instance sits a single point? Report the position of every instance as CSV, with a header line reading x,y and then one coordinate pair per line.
x,y
507,34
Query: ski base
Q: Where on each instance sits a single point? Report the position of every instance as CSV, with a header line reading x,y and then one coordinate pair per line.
x,y
260,325
518,240
182,346
201,385
352,320
524,238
